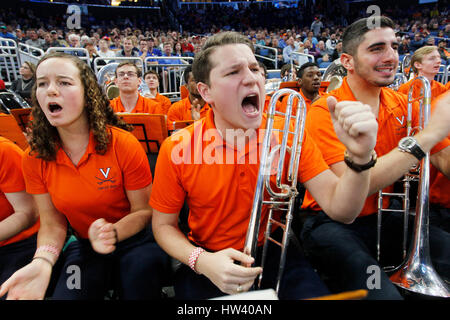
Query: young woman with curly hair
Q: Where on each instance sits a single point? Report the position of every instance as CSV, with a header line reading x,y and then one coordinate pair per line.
x,y
83,169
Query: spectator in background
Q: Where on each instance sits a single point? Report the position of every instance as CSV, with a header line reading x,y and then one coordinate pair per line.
x,y
116,45
187,47
337,52
404,48
330,44
288,50
74,40
127,50
143,49
178,51
445,55
152,48
151,79
417,42
20,36
275,44
104,50
34,40
54,39
316,26
311,38
25,83
5,34
92,50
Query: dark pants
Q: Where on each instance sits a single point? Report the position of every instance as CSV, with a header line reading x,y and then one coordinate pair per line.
x,y
136,270
14,256
440,217
299,280
345,253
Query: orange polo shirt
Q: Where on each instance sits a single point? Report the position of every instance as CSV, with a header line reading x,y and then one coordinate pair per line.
x,y
307,103
439,183
11,180
437,88
94,188
391,128
163,101
143,105
267,102
219,193
181,110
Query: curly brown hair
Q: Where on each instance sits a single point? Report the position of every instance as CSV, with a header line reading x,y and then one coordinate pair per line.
x,y
45,140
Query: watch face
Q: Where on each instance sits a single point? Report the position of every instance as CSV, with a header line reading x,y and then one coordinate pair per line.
x,y
408,143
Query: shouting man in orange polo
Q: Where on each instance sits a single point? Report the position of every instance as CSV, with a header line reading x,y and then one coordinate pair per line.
x,y
219,191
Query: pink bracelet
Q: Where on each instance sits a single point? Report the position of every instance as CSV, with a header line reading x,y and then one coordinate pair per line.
x,y
48,248
194,256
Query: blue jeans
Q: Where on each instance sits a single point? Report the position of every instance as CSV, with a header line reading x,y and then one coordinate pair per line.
x,y
299,280
14,256
344,252
136,270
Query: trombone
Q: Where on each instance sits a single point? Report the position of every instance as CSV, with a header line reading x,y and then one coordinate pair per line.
x,y
283,198
416,273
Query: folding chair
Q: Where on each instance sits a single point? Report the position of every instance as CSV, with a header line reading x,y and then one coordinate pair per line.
x,y
22,117
290,85
149,129
11,130
180,124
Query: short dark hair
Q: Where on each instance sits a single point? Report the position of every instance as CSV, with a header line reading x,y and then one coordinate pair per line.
x,y
354,33
151,71
201,67
304,66
186,72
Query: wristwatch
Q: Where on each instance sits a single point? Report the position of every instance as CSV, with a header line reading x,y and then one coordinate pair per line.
x,y
360,167
409,144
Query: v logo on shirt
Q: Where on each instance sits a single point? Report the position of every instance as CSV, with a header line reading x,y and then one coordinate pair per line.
x,y
400,121
105,173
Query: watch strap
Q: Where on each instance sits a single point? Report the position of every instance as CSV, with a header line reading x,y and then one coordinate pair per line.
x,y
360,167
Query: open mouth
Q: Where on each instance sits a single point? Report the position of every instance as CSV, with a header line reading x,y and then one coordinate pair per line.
x,y
54,108
250,104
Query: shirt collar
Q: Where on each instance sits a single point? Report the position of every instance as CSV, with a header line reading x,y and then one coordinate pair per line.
x,y
63,158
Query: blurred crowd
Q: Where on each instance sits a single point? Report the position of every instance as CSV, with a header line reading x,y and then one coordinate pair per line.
x,y
277,33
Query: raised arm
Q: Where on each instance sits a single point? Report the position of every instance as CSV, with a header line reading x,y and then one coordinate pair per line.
x,y
342,198
393,165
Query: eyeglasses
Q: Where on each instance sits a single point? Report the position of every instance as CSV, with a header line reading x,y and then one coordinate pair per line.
x,y
129,74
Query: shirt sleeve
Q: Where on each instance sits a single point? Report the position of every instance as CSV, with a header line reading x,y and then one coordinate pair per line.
x,y
311,160
33,174
11,177
168,193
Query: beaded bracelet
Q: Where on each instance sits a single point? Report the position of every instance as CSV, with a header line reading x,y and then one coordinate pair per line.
x,y
48,248
194,256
